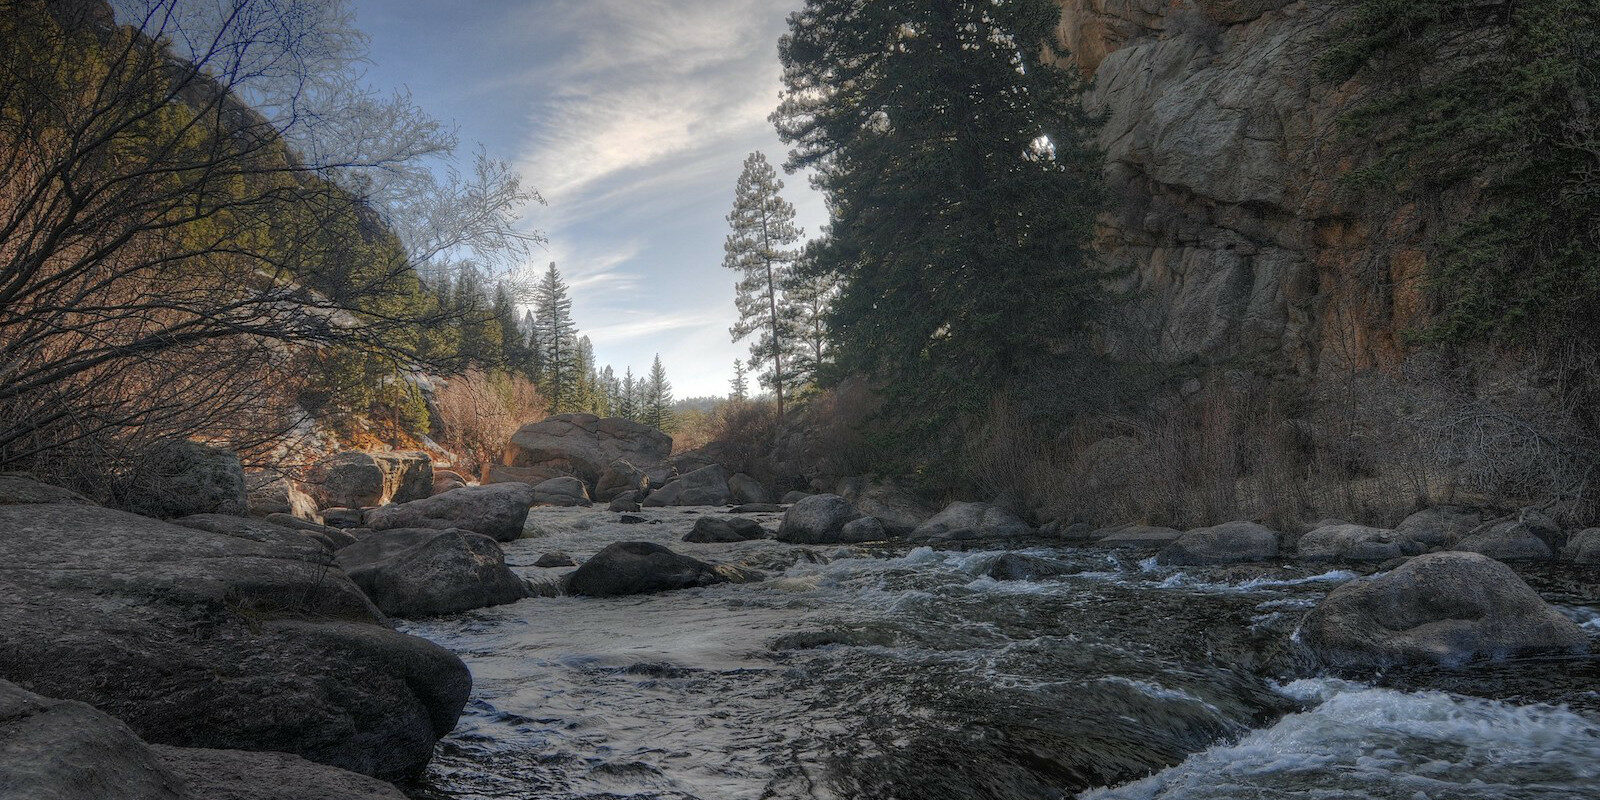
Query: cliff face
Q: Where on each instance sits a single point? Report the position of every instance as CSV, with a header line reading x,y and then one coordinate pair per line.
x,y
1230,227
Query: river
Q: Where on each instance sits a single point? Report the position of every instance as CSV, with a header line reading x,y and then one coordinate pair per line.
x,y
855,672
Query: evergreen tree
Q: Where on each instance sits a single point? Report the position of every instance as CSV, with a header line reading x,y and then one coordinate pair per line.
x,y
610,391
511,340
628,397
657,411
481,336
531,364
740,385
953,153
558,336
761,250
809,295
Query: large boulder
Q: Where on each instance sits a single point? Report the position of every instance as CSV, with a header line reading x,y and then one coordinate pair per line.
x,y
203,639
1440,526
1228,543
1137,537
360,480
499,511
725,529
1441,608
899,509
406,476
533,476
707,486
620,477
863,529
269,492
65,750
1023,567
566,491
971,521
1526,536
178,477
584,445
746,489
1346,542
18,489
420,572
624,568
817,519
1583,547
446,479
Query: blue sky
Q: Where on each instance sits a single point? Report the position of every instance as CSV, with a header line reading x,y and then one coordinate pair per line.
x,y
632,118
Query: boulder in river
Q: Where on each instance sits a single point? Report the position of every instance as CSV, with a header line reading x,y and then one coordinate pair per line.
x,y
746,489
863,529
555,558
178,477
625,502
1023,567
1440,526
584,445
64,750
1514,539
972,521
1228,543
619,478
817,519
1137,537
1346,542
421,572
707,486
625,568
1583,547
1442,608
498,511
725,529
204,639
566,491
791,498
899,509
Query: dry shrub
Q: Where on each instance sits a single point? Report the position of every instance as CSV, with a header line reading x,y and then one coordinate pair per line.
x,y
478,411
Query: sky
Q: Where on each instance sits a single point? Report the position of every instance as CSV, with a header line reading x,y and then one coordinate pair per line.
x,y
632,118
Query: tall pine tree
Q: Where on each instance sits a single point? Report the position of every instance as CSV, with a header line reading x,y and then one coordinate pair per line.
x,y
761,249
809,295
954,156
657,411
558,336
740,385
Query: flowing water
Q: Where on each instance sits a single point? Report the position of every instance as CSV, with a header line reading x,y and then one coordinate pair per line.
x,y
857,672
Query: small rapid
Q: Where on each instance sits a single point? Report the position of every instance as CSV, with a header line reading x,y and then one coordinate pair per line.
x,y
894,672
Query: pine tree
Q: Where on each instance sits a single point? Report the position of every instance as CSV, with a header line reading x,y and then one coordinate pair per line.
x,y
740,385
761,250
954,156
531,364
610,390
558,336
628,397
657,412
511,340
809,295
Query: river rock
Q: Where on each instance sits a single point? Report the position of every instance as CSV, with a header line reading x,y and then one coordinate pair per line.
x,y
624,568
863,529
420,572
899,509
201,639
567,491
1021,567
817,519
355,479
16,489
1583,547
746,489
619,478
555,558
444,480
625,502
1440,526
1346,542
725,529
499,511
1442,608
1137,537
1526,536
268,493
584,445
707,486
1228,543
971,520
177,478
791,498
244,775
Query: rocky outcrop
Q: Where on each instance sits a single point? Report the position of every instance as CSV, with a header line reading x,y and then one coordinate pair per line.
x,y
419,572
1345,542
179,477
897,507
1442,608
971,521
584,445
1440,526
64,750
620,477
1228,543
1507,542
271,493
745,489
566,491
499,511
707,486
817,519
445,479
362,480
725,529
203,639
625,568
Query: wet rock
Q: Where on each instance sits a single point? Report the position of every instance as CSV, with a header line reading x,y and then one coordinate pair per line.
x,y
1228,543
746,489
1137,537
707,486
971,520
725,529
1527,536
242,775
756,508
1440,526
444,480
1442,608
584,445
620,478
899,509
1020,567
561,492
793,497
863,529
178,477
627,501
817,519
625,568
270,493
420,572
628,519
499,511
1345,542
196,638
18,489
1583,547
555,558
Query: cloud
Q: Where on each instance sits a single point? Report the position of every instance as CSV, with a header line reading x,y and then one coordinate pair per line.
x,y
639,325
